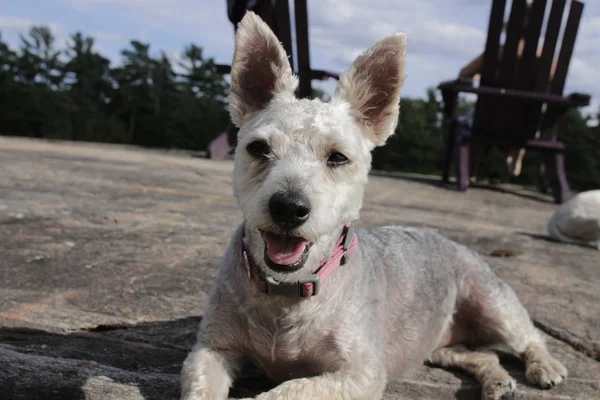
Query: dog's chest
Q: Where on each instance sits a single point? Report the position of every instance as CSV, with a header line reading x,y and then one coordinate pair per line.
x,y
287,350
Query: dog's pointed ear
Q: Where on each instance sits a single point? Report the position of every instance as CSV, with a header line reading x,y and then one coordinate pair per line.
x,y
259,71
372,86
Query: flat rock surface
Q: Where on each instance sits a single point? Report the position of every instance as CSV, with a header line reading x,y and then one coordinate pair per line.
x,y
107,253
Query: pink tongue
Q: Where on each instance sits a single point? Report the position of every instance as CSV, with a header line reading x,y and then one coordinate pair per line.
x,y
284,250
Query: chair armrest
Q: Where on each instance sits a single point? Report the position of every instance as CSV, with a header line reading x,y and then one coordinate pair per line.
x,y
465,85
581,99
575,100
454,84
223,69
450,90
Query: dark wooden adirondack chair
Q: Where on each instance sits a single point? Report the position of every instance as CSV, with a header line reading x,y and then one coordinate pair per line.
x,y
518,105
277,15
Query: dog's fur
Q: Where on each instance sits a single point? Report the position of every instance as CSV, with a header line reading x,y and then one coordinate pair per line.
x,y
406,296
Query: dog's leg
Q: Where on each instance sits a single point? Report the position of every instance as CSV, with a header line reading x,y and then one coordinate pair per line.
x,y
484,365
207,374
541,368
364,385
500,318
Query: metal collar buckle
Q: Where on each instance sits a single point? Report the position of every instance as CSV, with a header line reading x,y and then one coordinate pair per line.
x,y
292,289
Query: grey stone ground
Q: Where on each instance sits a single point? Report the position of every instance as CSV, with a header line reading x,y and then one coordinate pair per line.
x,y
107,254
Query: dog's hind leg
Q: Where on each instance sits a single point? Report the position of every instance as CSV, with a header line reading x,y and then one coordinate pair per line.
x,y
496,317
483,365
541,368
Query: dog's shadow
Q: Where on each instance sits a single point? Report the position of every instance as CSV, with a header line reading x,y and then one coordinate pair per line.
x,y
435,181
121,361
537,236
145,358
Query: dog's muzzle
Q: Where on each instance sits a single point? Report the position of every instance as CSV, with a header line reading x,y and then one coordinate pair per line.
x,y
309,285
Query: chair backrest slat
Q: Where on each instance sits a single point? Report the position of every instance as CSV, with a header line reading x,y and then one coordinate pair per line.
x,y
527,63
509,54
553,113
492,45
301,13
533,111
566,48
520,123
482,120
549,48
284,30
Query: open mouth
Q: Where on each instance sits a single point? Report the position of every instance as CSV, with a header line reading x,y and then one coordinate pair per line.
x,y
285,253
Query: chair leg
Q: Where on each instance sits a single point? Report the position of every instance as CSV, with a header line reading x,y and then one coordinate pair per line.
x,y
555,170
450,146
476,154
463,165
544,178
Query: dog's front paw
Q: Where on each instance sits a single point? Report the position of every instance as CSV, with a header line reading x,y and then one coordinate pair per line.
x,y
545,372
295,389
305,388
198,395
499,389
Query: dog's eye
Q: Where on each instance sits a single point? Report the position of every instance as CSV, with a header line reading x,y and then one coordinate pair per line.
x,y
337,159
259,149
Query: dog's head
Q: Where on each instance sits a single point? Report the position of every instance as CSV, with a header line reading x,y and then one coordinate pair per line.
x,y
301,165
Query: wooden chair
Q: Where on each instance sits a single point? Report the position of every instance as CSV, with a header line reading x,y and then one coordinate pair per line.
x,y
518,105
277,15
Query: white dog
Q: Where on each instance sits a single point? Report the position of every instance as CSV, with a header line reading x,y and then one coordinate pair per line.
x,y
327,311
578,220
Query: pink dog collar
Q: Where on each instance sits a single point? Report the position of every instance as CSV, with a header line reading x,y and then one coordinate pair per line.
x,y
310,285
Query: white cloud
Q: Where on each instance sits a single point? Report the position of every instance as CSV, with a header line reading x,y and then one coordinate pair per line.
x,y
437,45
198,21
592,26
15,23
175,58
583,78
339,29
583,70
106,36
22,25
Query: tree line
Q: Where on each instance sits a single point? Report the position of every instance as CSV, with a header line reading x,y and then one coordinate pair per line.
x,y
73,92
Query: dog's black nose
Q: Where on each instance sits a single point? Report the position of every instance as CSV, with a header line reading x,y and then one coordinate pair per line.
x,y
289,210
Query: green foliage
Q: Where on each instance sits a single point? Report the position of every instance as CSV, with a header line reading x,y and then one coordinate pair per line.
x,y
418,141
582,151
74,93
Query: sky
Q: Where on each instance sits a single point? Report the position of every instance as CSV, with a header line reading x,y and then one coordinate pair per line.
x,y
443,35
